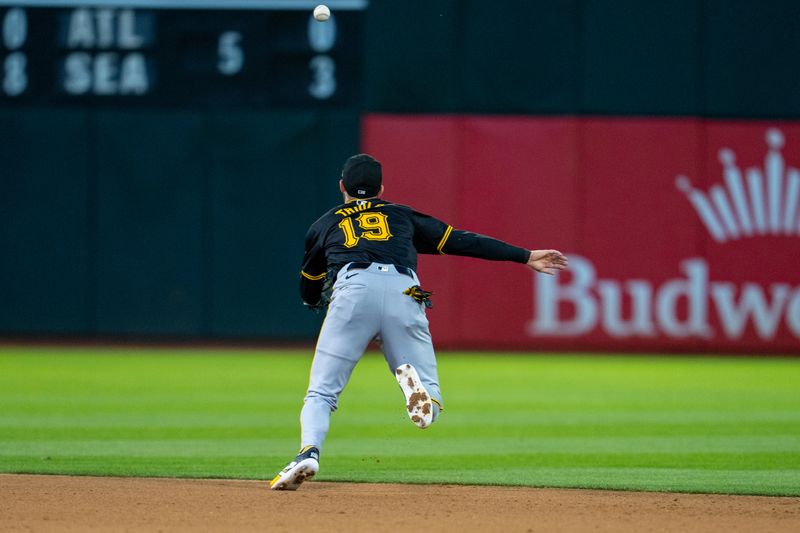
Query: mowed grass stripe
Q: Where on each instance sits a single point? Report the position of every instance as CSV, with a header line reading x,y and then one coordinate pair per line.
x,y
618,451
701,425
199,427
255,446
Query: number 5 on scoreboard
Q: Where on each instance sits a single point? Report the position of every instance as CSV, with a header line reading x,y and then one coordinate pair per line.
x,y
374,227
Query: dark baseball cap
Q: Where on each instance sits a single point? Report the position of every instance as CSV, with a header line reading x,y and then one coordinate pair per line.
x,y
361,176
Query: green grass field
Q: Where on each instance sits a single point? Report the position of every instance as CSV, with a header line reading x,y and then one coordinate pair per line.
x,y
722,425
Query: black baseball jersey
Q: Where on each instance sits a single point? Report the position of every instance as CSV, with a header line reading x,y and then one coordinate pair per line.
x,y
379,231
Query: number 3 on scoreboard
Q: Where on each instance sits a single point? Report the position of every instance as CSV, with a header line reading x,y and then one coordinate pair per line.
x,y
374,226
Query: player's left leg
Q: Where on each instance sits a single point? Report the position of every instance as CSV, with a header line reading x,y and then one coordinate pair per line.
x,y
351,322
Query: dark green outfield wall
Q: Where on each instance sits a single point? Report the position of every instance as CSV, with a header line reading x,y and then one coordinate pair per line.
x,y
612,57
163,223
189,221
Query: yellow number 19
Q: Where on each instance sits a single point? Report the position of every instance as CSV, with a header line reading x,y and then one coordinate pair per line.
x,y
374,227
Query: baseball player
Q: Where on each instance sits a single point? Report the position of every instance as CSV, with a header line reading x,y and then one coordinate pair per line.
x,y
360,261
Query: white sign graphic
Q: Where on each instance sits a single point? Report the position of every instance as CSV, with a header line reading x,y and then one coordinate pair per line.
x,y
598,302
766,206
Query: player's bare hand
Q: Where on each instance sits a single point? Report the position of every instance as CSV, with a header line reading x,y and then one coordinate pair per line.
x,y
547,261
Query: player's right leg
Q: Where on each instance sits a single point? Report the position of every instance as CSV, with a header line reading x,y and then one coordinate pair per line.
x,y
419,402
406,340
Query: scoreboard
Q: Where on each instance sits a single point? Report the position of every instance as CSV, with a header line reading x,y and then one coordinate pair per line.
x,y
231,52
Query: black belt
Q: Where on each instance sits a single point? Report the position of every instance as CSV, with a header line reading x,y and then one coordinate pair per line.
x,y
403,270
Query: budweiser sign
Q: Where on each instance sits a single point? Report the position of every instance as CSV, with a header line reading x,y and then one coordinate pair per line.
x,y
684,230
598,302
698,302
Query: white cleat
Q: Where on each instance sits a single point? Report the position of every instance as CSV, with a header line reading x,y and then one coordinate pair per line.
x,y
305,466
418,401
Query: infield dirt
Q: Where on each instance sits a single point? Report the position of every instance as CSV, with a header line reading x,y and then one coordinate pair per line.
x,y
64,503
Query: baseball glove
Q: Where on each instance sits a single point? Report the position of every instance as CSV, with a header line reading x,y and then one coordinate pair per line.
x,y
420,295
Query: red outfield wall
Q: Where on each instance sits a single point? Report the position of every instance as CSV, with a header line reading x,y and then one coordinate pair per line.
x,y
683,234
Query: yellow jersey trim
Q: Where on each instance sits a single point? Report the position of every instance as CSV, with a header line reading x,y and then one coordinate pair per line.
x,y
313,278
444,239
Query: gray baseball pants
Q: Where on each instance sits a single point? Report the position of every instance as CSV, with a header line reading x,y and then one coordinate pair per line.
x,y
366,303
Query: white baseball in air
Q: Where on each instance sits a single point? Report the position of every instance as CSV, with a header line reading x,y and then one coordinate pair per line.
x,y
322,13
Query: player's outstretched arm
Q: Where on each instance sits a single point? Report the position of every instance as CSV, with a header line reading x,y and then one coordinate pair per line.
x,y
547,261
